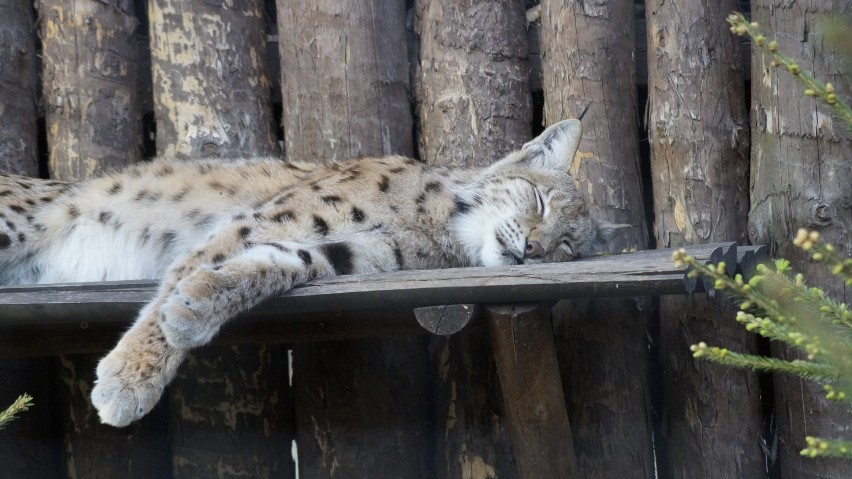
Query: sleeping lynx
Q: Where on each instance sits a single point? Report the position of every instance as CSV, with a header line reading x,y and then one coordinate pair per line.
x,y
226,235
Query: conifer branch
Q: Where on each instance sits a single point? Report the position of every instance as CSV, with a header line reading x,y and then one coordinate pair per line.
x,y
21,404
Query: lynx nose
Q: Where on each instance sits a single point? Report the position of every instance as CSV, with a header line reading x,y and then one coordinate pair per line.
x,y
534,250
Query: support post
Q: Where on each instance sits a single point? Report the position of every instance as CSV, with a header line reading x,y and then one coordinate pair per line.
x,y
522,341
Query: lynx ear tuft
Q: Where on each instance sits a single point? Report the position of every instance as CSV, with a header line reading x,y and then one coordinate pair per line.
x,y
554,149
606,231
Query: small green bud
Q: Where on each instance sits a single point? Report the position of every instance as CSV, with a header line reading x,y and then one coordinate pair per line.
x,y
831,98
829,88
760,40
794,68
773,46
741,29
810,92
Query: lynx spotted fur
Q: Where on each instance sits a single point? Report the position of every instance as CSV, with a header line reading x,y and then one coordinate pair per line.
x,y
224,236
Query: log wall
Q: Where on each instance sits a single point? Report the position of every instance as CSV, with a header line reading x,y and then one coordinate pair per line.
x,y
447,82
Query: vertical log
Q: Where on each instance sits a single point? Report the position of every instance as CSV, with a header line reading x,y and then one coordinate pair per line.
x,y
699,164
473,102
29,447
211,85
522,340
473,107
587,61
94,125
231,413
801,169
90,80
18,114
345,81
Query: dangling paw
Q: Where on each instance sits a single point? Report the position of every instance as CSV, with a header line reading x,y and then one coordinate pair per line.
x,y
130,382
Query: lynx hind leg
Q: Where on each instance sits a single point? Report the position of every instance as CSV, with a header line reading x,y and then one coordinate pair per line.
x,y
208,297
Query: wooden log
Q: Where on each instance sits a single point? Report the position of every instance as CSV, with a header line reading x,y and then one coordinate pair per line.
x,y
211,84
445,320
522,341
346,93
699,155
212,99
588,62
18,97
90,79
800,177
30,446
473,106
93,122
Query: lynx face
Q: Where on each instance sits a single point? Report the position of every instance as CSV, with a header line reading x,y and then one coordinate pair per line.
x,y
526,208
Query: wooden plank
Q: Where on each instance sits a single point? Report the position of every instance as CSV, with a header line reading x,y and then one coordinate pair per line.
x,y
88,317
648,272
522,341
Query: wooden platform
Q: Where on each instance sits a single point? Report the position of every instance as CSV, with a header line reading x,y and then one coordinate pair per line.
x,y
511,302
51,319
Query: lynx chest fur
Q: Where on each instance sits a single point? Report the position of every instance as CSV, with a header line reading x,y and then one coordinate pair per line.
x,y
223,236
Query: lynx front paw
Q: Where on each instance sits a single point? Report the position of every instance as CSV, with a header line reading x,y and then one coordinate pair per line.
x,y
189,316
130,384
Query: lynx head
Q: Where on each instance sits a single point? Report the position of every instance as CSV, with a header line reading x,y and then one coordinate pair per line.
x,y
526,209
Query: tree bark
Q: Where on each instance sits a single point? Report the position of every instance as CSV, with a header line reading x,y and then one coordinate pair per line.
x,y
90,79
587,61
473,107
473,102
231,407
801,168
699,162
18,112
211,84
346,91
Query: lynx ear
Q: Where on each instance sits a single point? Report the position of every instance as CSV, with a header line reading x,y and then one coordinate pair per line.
x,y
606,231
554,149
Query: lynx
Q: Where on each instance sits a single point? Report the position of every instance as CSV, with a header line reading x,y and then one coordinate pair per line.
x,y
225,235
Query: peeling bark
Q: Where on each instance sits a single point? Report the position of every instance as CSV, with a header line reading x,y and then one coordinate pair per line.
x,y
801,163
90,79
211,84
587,61
699,163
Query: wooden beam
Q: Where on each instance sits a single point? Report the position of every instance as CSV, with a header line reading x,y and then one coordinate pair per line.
x,y
88,317
522,341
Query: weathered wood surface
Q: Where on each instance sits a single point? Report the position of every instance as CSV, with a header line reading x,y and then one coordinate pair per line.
x,y
446,319
588,61
19,92
699,141
522,341
90,79
49,319
346,93
801,171
211,83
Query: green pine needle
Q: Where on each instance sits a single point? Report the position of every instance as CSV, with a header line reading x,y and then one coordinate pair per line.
x,y
21,404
